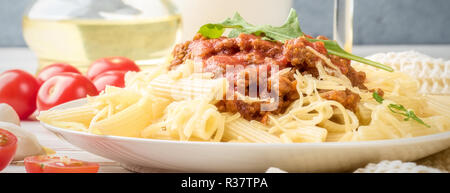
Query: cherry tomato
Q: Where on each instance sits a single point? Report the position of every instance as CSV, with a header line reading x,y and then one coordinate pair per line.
x,y
112,78
54,164
8,146
110,64
64,87
18,89
53,69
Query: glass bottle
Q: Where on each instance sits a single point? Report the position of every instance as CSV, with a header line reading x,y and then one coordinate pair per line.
x,y
79,32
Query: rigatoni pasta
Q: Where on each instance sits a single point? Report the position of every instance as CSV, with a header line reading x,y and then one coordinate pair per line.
x,y
183,120
245,131
183,89
132,120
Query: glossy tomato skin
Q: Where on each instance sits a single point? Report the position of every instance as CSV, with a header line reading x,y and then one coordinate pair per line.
x,y
8,147
53,164
54,69
112,78
111,64
63,88
19,89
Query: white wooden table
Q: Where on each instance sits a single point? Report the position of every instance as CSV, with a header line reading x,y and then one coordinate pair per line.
x,y
62,148
22,58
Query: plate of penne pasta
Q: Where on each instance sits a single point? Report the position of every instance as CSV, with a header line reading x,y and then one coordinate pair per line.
x,y
262,97
154,155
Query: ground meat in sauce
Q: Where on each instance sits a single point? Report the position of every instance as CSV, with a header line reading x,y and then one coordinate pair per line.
x,y
287,93
250,51
346,97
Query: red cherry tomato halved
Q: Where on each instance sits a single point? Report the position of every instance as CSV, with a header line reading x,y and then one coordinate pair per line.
x,y
19,89
53,69
63,88
53,164
8,146
109,64
112,78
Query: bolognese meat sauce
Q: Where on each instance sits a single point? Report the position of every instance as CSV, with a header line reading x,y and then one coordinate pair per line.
x,y
252,51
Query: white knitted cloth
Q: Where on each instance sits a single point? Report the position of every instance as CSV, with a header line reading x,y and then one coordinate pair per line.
x,y
397,166
433,74
437,163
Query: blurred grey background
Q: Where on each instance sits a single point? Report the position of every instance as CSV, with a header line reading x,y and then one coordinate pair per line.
x,y
375,22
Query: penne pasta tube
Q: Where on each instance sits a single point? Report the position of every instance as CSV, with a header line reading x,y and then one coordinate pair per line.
x,y
82,115
189,89
70,125
242,128
305,134
132,120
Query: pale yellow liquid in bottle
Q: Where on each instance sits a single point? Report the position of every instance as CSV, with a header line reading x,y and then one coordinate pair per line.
x,y
80,42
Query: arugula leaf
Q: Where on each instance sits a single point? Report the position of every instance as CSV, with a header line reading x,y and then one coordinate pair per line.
x,y
289,30
212,30
334,48
400,109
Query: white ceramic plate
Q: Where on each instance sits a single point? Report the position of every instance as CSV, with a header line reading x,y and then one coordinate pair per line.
x,y
139,154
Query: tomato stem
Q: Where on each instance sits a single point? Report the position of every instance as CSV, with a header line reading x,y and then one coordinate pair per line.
x,y
3,140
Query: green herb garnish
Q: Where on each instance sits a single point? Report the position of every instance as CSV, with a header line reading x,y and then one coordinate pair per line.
x,y
400,109
377,97
334,48
289,30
